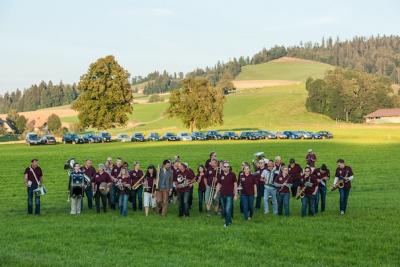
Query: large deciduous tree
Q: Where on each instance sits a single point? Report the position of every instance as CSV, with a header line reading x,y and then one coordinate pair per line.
x,y
105,95
197,104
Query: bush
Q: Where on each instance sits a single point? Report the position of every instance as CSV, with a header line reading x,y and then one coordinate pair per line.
x,y
53,123
156,98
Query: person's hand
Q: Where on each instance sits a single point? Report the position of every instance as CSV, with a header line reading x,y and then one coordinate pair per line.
x,y
29,183
235,197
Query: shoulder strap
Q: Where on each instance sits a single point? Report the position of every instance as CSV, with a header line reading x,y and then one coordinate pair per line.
x,y
34,175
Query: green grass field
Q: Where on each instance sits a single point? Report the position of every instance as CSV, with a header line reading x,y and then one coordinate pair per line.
x,y
294,71
368,235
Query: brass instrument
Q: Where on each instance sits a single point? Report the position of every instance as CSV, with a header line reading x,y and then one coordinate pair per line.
x,y
138,183
213,187
339,184
301,193
103,188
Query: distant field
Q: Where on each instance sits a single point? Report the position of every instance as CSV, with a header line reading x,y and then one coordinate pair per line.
x,y
368,235
294,70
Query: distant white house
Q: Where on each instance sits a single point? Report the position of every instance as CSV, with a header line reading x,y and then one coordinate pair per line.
x,y
9,129
388,115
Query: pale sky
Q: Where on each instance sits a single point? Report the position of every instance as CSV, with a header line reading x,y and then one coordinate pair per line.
x,y
57,40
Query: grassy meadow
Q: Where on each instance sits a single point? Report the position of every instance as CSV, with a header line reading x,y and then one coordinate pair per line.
x,y
368,235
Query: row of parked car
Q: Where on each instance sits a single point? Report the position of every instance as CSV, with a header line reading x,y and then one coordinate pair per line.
x,y
72,138
228,135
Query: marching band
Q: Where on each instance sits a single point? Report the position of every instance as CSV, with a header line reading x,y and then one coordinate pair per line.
x,y
113,185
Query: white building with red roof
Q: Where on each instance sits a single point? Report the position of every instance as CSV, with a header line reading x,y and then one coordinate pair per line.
x,y
386,115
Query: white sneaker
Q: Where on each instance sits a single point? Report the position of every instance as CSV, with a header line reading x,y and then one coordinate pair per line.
x,y
341,212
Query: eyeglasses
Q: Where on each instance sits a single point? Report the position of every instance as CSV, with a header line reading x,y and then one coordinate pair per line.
x,y
226,166
306,171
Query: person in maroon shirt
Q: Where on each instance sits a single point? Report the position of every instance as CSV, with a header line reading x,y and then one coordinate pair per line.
x,y
136,175
283,183
173,196
295,172
33,177
89,171
124,184
202,182
149,189
115,170
322,174
260,181
247,184
213,156
227,186
310,183
100,177
211,178
345,173
311,158
183,183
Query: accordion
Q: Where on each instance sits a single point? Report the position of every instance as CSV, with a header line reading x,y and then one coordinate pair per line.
x,y
77,180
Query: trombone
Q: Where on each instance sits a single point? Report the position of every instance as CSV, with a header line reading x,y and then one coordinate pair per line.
x,y
213,187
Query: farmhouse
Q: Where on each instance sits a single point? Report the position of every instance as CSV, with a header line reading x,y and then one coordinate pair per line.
x,y
389,115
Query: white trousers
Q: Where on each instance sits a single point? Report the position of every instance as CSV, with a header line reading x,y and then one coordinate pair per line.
x,y
76,203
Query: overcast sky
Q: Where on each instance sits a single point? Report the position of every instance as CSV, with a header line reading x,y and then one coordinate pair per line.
x,y
57,40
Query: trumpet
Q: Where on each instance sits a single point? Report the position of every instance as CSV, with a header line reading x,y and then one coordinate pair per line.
x,y
138,183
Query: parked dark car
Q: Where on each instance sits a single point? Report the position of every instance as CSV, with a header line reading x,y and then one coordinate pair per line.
x,y
137,137
281,135
105,137
48,139
315,135
325,134
91,138
169,137
199,136
292,134
247,136
230,136
213,135
257,135
32,139
71,138
153,137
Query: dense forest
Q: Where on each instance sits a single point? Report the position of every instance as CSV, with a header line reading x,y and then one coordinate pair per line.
x,y
378,55
43,95
349,95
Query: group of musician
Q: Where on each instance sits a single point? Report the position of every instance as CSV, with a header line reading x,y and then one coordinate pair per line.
x,y
113,185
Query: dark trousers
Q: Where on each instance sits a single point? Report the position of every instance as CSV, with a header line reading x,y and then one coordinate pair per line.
x,y
97,197
308,202
283,203
247,206
227,204
89,195
183,200
112,196
260,194
191,197
344,196
31,195
321,194
137,195
294,188
201,195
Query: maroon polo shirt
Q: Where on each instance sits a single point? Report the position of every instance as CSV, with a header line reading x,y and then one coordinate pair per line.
x,y
91,172
115,171
346,171
210,175
311,158
247,182
280,179
295,172
207,164
227,182
125,180
31,177
189,176
257,176
321,175
150,182
100,178
312,179
135,175
201,178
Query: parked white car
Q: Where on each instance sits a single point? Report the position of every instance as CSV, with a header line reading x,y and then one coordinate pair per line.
x,y
185,137
123,137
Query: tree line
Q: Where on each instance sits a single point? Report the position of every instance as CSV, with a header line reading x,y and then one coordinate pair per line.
x,y
349,95
39,96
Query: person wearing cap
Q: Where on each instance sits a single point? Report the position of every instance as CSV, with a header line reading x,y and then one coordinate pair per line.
x,y
311,158
100,177
183,184
295,172
164,186
345,173
322,174
33,177
269,175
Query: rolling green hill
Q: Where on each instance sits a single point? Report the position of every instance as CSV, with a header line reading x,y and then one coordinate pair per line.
x,y
284,69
